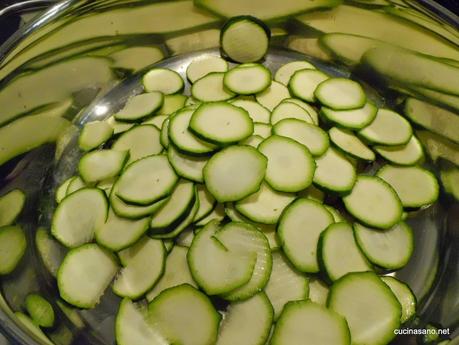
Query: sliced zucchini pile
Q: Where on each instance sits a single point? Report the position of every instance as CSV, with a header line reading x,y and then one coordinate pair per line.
x,y
256,192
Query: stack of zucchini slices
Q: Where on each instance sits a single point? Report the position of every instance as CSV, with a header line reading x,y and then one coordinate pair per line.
x,y
281,192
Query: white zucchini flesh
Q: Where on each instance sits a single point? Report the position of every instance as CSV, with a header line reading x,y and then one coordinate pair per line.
x,y
313,137
388,128
171,104
253,140
185,238
11,205
183,138
234,173
244,39
248,79
140,141
187,166
177,205
84,275
311,111
339,253
184,315
374,202
221,122
243,238
94,134
50,251
60,193
285,72
289,110
163,80
318,291
265,205
13,245
290,164
140,106
147,180
158,120
340,94
132,327
176,272
102,164
257,112
328,164
304,82
143,267
164,135
119,126
199,68
355,292
211,88
78,217
76,184
389,249
206,202
408,154
313,193
118,233
414,185
404,295
247,322
264,130
305,321
299,229
353,118
218,214
351,144
226,271
273,95
285,284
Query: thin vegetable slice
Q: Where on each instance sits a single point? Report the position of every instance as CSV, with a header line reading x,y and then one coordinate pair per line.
x,y
351,144
140,141
101,165
273,95
257,112
352,119
340,94
248,79
304,82
211,88
187,166
94,134
13,245
11,205
325,175
201,67
410,153
162,80
285,72
404,295
140,106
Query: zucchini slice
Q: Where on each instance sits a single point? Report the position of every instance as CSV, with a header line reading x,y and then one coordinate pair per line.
x,y
263,130
273,95
247,322
40,310
201,67
163,80
84,275
253,140
318,291
350,144
390,249
183,138
285,284
374,202
257,112
410,153
304,82
289,110
78,217
415,186
313,137
248,79
94,134
119,126
184,315
405,297
118,233
245,39
325,175
147,180
11,205
340,94
285,72
234,173
217,214
206,202
50,251
355,292
141,141
438,147
290,164
302,321
76,184
164,135
339,253
13,245
352,119
158,120
299,229
61,191
388,128
310,109
226,271
211,88
189,167
265,205
140,106
102,165
221,123
171,104
144,265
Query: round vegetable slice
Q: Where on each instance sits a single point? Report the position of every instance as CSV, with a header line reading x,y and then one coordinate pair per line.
x,y
13,245
253,140
405,297
408,154
326,175
101,165
374,202
234,173
340,94
262,129
206,202
290,164
273,95
11,205
289,110
94,134
40,310
247,79
211,88
140,141
304,82
163,80
140,106
311,111
285,72
257,112
201,67
352,119
189,167
351,144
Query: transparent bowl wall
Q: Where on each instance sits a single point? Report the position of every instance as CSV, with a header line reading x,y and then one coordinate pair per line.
x,y
74,52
